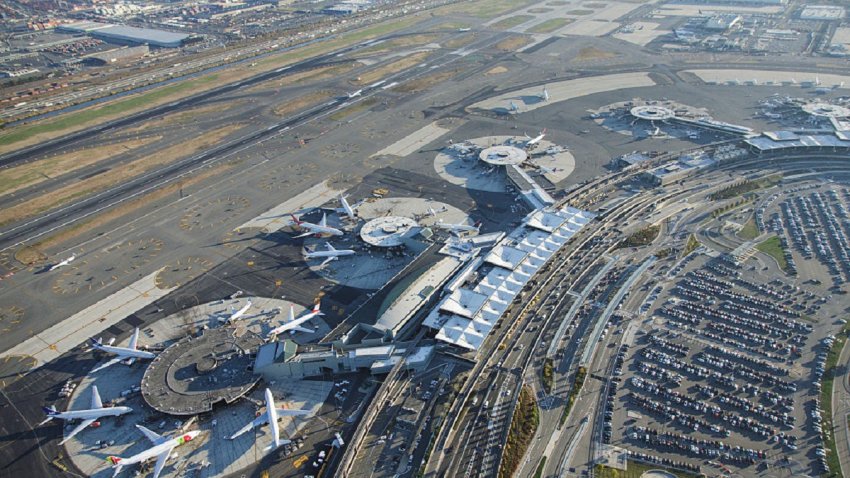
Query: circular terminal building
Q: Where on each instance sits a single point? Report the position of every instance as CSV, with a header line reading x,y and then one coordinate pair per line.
x,y
386,231
826,110
195,373
652,113
502,155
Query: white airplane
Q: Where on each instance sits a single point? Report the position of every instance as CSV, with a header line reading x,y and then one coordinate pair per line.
x,y
338,441
294,325
235,314
456,229
513,107
63,263
88,417
346,208
161,449
545,94
317,229
532,141
331,254
355,93
270,417
130,353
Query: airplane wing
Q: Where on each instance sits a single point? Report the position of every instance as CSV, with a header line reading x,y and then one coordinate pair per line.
x,y
134,340
154,437
95,398
329,247
83,424
303,235
160,462
108,363
301,329
262,419
326,261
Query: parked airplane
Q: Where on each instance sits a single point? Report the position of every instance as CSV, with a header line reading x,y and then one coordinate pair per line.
x,y
532,141
129,353
88,417
513,107
545,94
63,263
161,449
270,417
346,208
235,314
355,93
331,254
456,229
317,229
294,325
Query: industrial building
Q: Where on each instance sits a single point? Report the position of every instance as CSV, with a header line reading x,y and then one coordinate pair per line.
x,y
123,34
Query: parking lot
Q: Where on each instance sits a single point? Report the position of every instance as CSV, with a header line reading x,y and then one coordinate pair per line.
x,y
728,372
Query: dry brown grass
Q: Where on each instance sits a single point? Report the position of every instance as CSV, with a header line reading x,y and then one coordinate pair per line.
x,y
425,82
317,74
593,53
184,117
392,67
302,102
124,209
459,41
399,43
513,43
497,70
100,182
18,177
224,76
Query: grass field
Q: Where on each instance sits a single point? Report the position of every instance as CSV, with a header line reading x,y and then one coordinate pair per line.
x,y
365,104
393,67
398,43
27,174
513,43
511,22
26,135
580,12
111,177
692,244
593,53
290,106
523,426
87,117
773,248
484,8
550,25
749,231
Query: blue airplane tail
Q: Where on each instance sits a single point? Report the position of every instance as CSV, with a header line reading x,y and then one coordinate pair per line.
x,y
49,411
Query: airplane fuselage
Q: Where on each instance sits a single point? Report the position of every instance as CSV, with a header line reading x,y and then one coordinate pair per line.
x,y
336,253
155,451
125,352
94,413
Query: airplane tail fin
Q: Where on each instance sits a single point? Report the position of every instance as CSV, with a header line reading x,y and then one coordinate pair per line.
x,y
316,309
477,225
297,221
114,459
95,342
50,412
